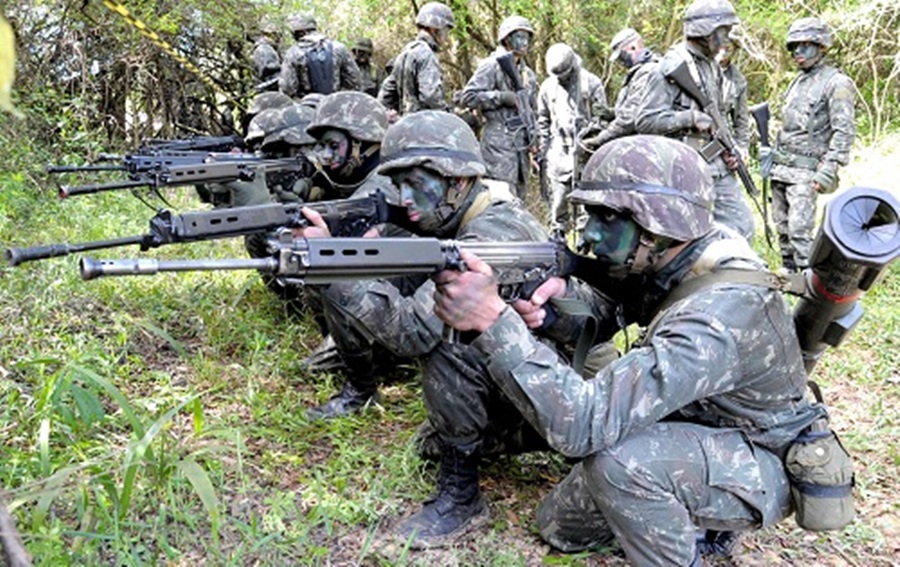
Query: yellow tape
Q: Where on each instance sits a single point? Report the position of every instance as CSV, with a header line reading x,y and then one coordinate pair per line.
x,y
147,32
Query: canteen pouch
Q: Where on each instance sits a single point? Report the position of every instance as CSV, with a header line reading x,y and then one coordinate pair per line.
x,y
821,475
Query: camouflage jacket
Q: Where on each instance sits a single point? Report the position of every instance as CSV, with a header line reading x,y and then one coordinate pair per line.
x,y
415,82
563,110
725,357
665,110
266,61
505,153
407,324
368,82
818,126
295,80
627,101
737,110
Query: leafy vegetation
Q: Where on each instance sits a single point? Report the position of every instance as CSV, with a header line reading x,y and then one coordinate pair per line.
x,y
161,420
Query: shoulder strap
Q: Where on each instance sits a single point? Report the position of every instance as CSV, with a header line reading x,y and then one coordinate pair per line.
x,y
497,192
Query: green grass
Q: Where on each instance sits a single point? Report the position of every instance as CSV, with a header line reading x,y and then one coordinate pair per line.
x,y
160,421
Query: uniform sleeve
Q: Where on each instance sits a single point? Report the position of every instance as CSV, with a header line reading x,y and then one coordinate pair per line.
x,y
654,113
350,79
544,118
691,356
387,93
288,83
598,103
481,91
430,83
842,115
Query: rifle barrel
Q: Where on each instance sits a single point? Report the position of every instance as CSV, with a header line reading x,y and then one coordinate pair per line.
x,y
80,168
69,190
92,268
16,256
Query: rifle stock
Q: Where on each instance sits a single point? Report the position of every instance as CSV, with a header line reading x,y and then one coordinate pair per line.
x,y
681,76
760,113
344,217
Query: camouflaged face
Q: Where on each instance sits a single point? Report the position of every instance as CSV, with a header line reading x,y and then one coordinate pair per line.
x,y
511,24
435,140
358,114
291,126
702,17
664,183
268,100
812,30
435,15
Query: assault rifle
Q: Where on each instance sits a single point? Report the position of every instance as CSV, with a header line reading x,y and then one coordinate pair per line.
x,y
760,113
139,163
722,140
197,144
524,120
215,168
344,217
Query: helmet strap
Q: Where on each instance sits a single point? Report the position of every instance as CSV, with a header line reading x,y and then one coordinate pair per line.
x,y
649,252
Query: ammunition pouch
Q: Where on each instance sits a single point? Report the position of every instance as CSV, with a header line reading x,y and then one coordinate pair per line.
x,y
821,475
784,157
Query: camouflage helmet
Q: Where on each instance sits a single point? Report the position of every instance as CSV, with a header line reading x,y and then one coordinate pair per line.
x,y
812,30
356,113
268,28
435,140
559,59
302,23
513,24
663,183
364,44
261,125
312,100
290,126
619,40
702,17
267,100
435,15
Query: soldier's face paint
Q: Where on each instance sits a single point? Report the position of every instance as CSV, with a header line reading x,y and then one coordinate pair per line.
x,y
805,54
519,41
421,191
613,238
717,40
333,149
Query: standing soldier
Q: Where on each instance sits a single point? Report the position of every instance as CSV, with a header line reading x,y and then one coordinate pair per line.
x,y
566,104
362,54
734,94
506,142
817,132
666,109
266,61
415,82
316,63
628,49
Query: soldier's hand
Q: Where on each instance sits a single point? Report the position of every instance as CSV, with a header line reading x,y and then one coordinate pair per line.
x,y
532,309
392,116
730,160
506,98
703,122
317,227
469,300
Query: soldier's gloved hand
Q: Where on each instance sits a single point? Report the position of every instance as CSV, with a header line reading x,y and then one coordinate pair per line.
x,y
506,98
701,121
766,160
825,179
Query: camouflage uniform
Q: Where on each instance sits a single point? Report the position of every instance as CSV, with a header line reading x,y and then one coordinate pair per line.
x,y
266,62
414,81
505,152
687,429
817,133
455,380
368,81
666,110
627,101
296,79
563,110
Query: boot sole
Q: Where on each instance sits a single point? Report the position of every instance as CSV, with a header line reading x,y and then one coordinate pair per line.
x,y
437,542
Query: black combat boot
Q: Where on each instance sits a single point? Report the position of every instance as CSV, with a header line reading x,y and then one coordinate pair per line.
x,y
359,390
713,543
454,510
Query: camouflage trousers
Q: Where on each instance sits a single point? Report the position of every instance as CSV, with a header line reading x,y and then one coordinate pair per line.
x,y
731,208
655,489
794,215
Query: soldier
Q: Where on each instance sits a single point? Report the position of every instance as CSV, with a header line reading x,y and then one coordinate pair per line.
x,y
628,49
817,132
688,429
266,61
261,102
667,110
362,54
435,160
505,143
414,82
316,63
734,94
567,102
